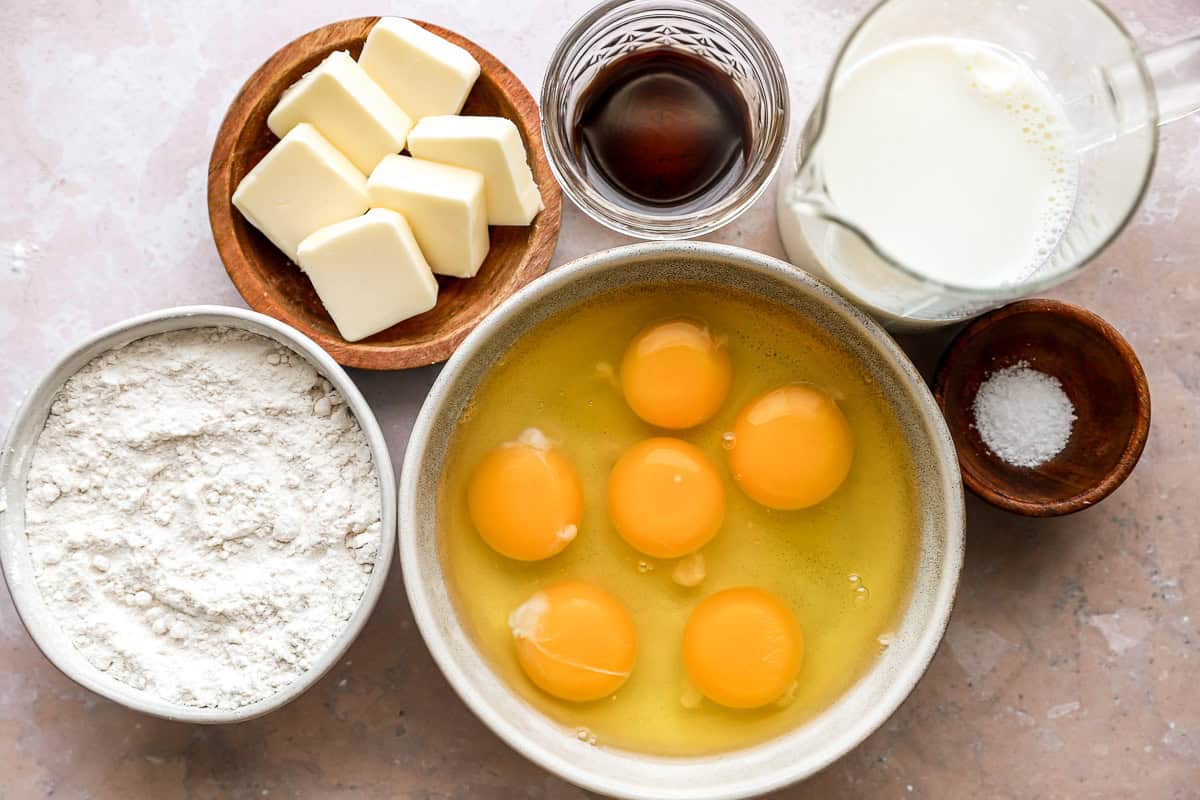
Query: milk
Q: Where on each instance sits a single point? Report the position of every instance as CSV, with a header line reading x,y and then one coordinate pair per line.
x,y
954,159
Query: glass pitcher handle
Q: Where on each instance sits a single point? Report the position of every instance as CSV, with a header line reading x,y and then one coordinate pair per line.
x,y
1175,70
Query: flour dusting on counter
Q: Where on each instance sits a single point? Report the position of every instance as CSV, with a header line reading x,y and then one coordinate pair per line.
x,y
203,515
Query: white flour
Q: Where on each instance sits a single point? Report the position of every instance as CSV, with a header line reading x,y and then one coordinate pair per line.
x,y
203,515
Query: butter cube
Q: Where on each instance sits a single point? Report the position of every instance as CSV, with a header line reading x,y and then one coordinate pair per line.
x,y
421,71
347,107
492,146
369,273
444,205
303,183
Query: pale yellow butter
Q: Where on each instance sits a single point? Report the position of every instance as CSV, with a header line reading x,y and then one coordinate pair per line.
x,y
492,146
421,71
445,206
349,108
303,183
369,273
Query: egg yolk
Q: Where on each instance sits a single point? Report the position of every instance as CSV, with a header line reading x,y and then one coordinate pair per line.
x,y
525,499
675,374
742,647
791,447
574,640
665,498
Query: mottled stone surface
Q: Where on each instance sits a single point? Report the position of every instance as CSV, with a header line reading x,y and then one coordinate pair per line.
x,y
1071,664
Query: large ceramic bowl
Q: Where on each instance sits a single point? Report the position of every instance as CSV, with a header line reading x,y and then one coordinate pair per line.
x,y
14,547
740,773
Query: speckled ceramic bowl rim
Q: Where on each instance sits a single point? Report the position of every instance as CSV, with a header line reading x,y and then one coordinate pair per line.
x,y
14,549
742,773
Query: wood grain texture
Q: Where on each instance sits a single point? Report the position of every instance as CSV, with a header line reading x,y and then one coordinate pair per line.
x,y
1099,372
270,283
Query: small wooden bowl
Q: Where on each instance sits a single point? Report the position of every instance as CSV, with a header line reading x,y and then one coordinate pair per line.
x,y
1099,373
270,283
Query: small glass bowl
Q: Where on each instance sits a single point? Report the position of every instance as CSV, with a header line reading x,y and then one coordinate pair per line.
x,y
710,29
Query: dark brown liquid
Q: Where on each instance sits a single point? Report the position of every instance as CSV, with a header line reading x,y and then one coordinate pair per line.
x,y
663,130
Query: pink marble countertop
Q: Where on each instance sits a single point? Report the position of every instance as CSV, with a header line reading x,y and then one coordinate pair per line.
x,y
1070,665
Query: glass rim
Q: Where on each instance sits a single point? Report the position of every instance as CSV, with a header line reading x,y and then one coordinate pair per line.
x,y
642,225
1008,291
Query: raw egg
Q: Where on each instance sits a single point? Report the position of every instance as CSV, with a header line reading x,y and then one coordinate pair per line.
x,y
574,640
791,447
742,647
525,498
665,497
675,374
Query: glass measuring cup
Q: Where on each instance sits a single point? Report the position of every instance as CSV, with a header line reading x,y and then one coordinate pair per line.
x,y
1113,95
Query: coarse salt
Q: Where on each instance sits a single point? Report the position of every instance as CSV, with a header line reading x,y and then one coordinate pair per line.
x,y
1023,416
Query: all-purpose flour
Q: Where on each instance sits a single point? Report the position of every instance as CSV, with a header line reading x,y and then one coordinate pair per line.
x,y
203,514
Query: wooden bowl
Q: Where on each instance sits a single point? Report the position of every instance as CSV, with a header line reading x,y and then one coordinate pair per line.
x,y
1098,371
270,283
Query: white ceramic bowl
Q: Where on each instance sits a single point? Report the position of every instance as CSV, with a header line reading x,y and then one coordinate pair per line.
x,y
14,548
741,773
